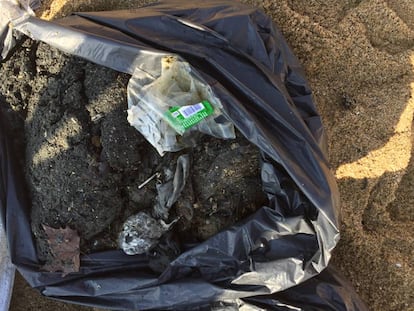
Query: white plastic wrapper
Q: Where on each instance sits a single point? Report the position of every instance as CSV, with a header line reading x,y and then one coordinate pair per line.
x,y
168,108
140,233
13,11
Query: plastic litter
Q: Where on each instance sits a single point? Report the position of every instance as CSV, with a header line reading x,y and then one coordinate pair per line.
x,y
276,259
141,232
175,101
13,11
169,192
152,177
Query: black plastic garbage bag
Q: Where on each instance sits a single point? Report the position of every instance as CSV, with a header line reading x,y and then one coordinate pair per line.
x,y
255,264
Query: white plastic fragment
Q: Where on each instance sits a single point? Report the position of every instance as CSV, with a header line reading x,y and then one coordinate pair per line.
x,y
141,232
148,180
11,12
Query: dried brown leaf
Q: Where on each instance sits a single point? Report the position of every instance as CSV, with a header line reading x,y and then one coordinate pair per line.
x,y
64,246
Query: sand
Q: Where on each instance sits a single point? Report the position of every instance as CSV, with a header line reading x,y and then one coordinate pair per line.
x,y
359,59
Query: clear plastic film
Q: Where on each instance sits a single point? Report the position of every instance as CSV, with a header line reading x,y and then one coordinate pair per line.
x,y
168,108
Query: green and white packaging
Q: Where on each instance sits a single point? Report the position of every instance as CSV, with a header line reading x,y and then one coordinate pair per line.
x,y
169,107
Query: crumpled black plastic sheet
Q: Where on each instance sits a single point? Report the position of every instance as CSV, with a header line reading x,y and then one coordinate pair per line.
x,y
256,263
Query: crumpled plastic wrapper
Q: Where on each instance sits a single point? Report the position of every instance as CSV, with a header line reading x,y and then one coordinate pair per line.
x,y
141,231
13,11
178,84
